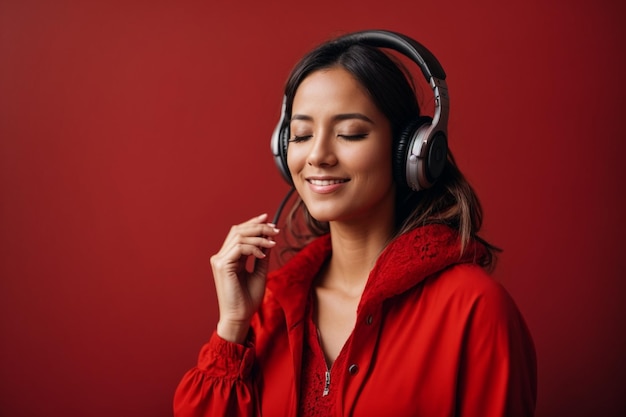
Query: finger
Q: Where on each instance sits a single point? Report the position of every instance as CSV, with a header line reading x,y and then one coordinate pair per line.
x,y
236,264
261,265
257,230
241,246
242,227
257,219
248,247
243,231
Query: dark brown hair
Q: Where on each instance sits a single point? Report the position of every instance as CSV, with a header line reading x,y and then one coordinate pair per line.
x,y
450,201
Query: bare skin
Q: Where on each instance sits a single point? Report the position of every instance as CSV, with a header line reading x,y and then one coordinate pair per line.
x,y
239,291
340,285
340,161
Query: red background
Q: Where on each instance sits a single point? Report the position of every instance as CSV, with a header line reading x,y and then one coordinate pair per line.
x,y
134,133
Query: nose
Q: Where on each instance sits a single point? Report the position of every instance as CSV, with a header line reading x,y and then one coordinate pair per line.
x,y
321,152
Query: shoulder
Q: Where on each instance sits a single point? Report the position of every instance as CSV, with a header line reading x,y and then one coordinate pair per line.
x,y
466,277
470,286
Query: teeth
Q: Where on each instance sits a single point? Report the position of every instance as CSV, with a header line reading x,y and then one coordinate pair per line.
x,y
326,182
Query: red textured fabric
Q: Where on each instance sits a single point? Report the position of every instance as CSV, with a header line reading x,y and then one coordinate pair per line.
x,y
314,402
435,336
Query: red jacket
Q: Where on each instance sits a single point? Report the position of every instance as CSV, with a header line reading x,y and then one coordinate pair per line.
x,y
435,336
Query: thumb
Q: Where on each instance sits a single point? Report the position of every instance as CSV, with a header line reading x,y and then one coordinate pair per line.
x,y
258,277
262,265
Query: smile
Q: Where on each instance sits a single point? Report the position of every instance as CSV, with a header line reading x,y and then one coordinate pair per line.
x,y
325,182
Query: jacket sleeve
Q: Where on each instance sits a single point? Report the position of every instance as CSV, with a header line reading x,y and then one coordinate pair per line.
x,y
498,376
220,385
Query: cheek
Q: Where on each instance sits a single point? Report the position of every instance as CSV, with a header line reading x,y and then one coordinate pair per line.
x,y
295,159
377,161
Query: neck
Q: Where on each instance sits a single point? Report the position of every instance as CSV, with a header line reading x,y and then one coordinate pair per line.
x,y
355,250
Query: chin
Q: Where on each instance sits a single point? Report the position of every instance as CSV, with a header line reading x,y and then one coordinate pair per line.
x,y
324,216
321,217
324,213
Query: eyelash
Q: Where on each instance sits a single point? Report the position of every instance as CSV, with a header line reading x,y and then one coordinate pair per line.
x,y
296,139
354,137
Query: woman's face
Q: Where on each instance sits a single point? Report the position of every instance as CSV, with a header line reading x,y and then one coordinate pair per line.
x,y
339,152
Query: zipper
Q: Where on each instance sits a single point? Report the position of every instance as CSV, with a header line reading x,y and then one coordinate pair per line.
x,y
327,372
326,383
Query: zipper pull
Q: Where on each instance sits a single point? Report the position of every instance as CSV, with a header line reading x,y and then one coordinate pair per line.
x,y
326,384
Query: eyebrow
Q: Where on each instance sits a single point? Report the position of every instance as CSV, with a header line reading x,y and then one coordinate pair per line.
x,y
337,118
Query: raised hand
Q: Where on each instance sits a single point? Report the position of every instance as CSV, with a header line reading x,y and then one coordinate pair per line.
x,y
239,290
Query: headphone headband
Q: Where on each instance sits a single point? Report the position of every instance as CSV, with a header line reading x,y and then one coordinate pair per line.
x,y
427,62
424,148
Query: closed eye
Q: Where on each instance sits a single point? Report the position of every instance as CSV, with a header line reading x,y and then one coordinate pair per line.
x,y
296,138
354,137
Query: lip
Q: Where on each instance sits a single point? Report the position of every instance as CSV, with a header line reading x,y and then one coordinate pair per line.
x,y
325,185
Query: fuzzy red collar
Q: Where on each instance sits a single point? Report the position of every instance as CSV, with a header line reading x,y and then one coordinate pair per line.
x,y
404,263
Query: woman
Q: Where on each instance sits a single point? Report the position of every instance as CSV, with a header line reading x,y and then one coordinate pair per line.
x,y
388,309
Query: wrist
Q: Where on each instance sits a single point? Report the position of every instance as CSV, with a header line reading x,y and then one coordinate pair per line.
x,y
233,331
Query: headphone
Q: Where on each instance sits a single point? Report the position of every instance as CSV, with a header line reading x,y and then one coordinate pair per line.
x,y
422,147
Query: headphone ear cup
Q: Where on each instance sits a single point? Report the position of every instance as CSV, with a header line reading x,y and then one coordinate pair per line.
x,y
437,157
401,152
283,137
278,144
